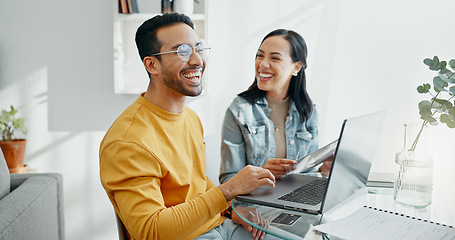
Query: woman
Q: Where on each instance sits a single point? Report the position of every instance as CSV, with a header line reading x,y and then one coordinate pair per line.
x,y
274,121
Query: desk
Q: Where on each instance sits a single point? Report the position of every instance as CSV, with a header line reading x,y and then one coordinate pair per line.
x,y
438,211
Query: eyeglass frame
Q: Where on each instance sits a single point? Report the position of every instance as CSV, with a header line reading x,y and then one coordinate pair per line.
x,y
206,47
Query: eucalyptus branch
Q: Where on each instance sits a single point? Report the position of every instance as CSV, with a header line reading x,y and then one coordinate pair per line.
x,y
444,82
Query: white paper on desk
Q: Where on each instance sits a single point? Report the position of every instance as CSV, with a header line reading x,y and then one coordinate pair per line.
x,y
311,160
372,224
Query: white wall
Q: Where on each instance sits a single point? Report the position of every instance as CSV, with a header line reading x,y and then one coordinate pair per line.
x,y
56,67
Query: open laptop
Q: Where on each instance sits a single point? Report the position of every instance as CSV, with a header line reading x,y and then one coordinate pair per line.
x,y
354,153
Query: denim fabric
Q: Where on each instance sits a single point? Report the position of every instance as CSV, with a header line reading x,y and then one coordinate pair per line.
x,y
231,231
247,136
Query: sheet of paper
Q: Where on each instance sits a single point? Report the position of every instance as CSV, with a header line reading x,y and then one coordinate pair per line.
x,y
372,224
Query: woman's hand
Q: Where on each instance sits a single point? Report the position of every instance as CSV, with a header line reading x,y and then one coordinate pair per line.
x,y
279,167
253,215
326,167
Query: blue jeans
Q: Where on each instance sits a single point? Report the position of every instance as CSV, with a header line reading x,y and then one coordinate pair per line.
x,y
229,230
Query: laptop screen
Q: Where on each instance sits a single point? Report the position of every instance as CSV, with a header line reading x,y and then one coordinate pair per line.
x,y
354,155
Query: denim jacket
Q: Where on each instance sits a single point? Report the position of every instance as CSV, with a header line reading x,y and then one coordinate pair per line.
x,y
247,136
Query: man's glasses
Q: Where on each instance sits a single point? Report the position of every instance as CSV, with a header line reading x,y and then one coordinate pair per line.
x,y
185,51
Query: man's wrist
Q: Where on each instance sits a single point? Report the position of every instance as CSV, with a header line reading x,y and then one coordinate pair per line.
x,y
226,192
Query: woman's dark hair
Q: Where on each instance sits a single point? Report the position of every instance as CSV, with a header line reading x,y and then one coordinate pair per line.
x,y
146,40
297,87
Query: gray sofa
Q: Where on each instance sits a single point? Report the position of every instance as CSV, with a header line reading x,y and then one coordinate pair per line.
x,y
31,205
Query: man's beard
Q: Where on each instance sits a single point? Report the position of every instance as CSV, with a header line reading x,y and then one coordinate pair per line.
x,y
179,86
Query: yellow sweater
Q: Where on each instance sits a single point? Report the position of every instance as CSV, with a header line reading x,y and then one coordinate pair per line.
x,y
152,166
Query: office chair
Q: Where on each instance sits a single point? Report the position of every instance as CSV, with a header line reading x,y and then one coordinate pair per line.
x,y
122,232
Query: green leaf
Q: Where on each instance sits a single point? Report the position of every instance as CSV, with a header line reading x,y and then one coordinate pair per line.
x,y
444,118
452,76
425,109
428,61
429,119
424,88
435,64
18,123
439,84
443,102
452,90
451,63
451,111
442,65
444,71
445,78
450,124
13,111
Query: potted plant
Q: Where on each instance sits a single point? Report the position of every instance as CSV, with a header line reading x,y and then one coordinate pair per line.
x,y
13,149
413,185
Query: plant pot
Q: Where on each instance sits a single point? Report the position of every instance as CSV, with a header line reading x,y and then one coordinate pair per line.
x,y
14,153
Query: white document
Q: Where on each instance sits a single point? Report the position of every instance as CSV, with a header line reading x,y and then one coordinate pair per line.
x,y
371,223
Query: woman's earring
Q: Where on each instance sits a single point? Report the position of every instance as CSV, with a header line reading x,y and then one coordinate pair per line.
x,y
294,74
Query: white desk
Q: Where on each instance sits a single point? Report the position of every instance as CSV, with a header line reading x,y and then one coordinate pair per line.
x,y
441,210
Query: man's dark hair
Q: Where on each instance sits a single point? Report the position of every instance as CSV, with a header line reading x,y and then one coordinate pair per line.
x,y
297,86
146,40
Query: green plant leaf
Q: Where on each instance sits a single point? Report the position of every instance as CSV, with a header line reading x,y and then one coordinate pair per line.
x,y
435,64
13,111
452,90
8,124
450,124
428,61
424,88
444,71
444,118
451,111
19,122
425,109
430,119
442,65
439,84
452,63
445,78
443,102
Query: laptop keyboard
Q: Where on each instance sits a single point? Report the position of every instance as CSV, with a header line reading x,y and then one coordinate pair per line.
x,y
311,193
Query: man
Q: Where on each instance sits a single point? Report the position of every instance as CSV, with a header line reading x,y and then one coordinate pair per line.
x,y
152,159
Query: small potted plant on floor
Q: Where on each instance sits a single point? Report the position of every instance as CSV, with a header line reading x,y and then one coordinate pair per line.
x,y
13,149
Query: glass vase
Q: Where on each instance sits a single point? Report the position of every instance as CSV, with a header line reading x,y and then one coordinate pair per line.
x,y
414,179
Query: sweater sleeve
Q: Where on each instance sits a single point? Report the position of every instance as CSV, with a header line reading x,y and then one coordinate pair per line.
x,y
132,178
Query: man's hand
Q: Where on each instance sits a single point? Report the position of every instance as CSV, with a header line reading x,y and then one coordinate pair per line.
x,y
247,180
253,216
280,166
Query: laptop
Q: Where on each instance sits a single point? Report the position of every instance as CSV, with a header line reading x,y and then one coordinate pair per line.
x,y
352,159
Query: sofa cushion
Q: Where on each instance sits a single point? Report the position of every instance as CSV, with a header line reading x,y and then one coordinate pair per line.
x,y
4,177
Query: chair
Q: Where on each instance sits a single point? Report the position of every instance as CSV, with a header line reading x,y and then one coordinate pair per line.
x,y
122,232
31,205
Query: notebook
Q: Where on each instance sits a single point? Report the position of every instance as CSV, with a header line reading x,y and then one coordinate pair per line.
x,y
375,223
354,153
